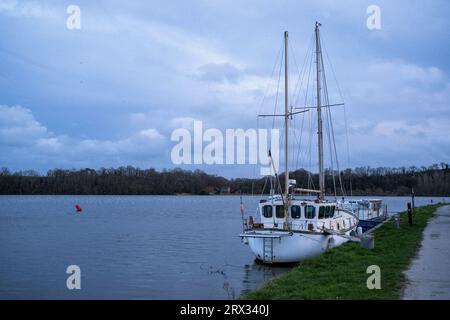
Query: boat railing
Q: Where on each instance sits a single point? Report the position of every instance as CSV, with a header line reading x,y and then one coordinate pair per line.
x,y
303,224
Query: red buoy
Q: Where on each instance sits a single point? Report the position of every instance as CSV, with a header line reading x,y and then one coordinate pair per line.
x,y
78,208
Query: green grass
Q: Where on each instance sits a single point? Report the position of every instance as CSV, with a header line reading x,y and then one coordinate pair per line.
x,y
340,273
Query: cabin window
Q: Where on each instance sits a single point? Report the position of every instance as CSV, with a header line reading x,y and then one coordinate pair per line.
x,y
321,212
279,212
310,212
333,208
327,211
267,211
295,212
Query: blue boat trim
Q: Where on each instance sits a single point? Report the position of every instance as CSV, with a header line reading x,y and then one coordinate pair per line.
x,y
369,224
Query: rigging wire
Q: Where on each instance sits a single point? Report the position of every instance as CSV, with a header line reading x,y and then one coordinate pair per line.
x,y
269,82
264,186
343,192
308,153
301,74
311,134
328,127
345,117
277,178
271,78
298,88
278,91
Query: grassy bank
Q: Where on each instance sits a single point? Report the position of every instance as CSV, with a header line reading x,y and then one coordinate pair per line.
x,y
340,273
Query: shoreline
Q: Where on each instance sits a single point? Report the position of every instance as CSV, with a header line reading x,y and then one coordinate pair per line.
x,y
327,276
212,195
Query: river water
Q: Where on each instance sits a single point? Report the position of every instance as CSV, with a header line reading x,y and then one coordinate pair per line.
x,y
132,247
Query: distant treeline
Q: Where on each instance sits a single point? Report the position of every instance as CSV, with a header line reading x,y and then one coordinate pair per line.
x,y
433,180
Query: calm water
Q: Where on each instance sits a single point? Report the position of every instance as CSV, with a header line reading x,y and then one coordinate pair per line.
x,y
131,247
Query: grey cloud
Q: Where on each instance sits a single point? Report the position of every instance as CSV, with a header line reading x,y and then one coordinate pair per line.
x,y
218,72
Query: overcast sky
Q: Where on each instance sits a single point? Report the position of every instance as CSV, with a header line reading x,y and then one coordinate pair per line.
x,y
112,92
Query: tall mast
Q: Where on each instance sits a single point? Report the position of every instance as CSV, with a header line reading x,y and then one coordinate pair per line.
x,y
286,124
319,113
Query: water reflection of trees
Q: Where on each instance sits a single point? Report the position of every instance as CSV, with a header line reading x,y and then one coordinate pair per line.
x,y
257,273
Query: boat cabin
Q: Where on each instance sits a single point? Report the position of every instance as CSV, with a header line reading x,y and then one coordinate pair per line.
x,y
303,215
366,209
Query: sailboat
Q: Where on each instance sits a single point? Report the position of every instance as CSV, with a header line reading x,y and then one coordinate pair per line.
x,y
290,228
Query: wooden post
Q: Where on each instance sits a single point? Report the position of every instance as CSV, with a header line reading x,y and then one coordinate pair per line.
x,y
409,213
412,198
397,221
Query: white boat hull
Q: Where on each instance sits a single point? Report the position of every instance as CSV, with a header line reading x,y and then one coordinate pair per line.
x,y
292,247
